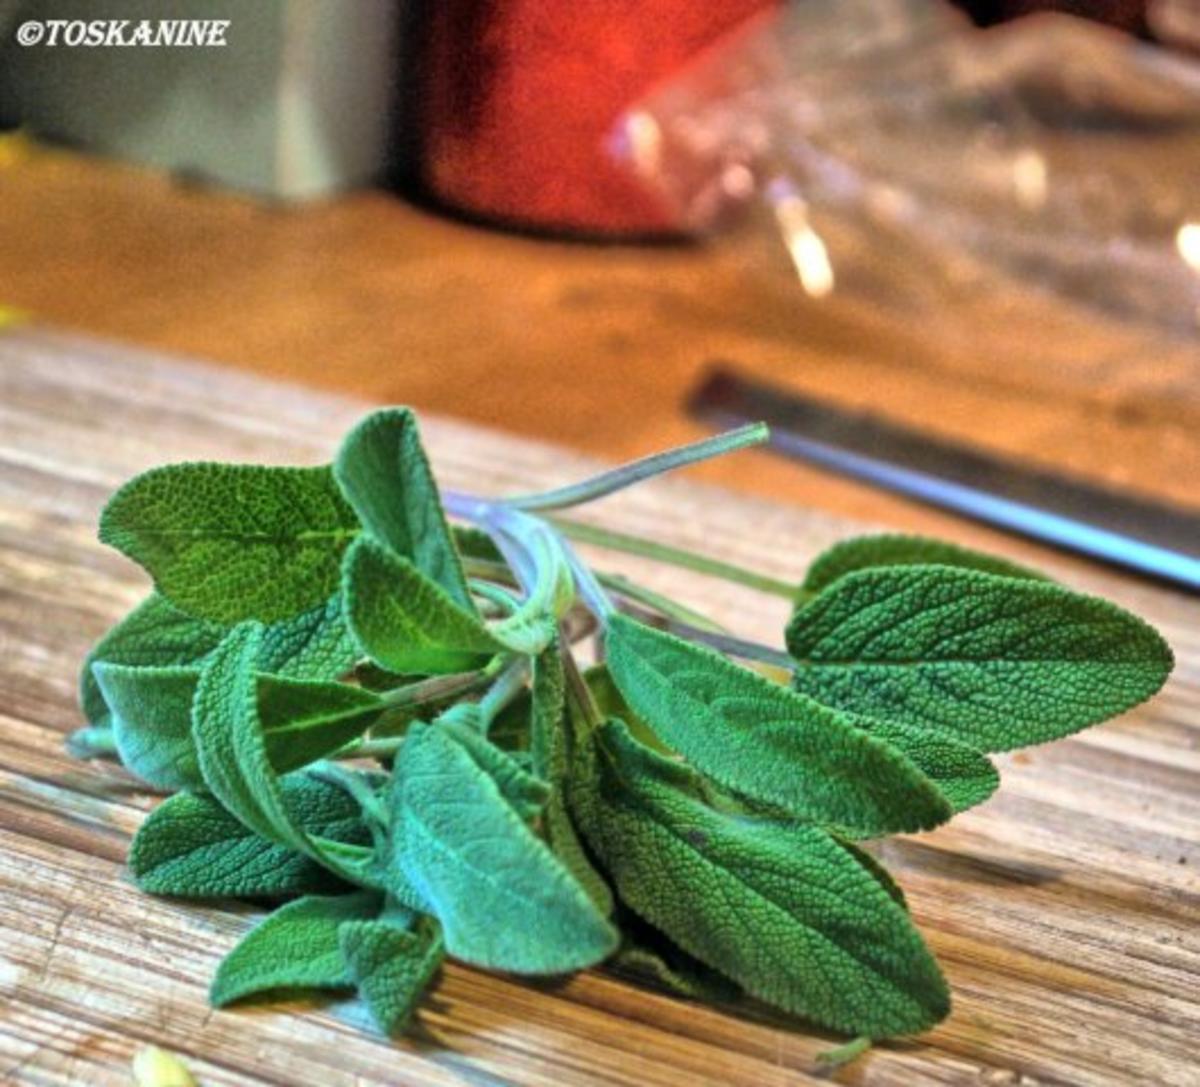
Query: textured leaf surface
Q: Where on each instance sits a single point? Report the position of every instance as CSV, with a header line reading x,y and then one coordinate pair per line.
x,y
154,633
232,753
151,714
404,621
996,662
550,748
763,741
649,956
962,774
503,900
234,541
782,909
525,792
391,966
312,645
296,947
316,644
384,473
191,846
863,552
301,720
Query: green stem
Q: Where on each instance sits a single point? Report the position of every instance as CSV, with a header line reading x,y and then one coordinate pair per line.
x,y
689,560
843,1054
383,748
664,605
92,742
504,690
617,479
438,688
736,647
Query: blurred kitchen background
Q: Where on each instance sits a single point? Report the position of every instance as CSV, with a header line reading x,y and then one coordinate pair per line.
x,y
981,221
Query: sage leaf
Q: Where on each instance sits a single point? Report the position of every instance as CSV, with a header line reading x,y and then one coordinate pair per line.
x,y
525,792
154,633
996,662
229,542
312,645
316,644
192,847
384,474
296,947
650,956
962,774
782,909
547,737
404,621
503,900
391,966
550,744
765,742
151,714
302,720
864,552
232,754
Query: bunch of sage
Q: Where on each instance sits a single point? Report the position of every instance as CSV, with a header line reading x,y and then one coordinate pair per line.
x,y
381,722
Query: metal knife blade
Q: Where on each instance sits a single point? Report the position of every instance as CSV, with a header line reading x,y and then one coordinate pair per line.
x,y
1136,534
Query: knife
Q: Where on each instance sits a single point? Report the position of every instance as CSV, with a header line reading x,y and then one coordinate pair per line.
x,y
1136,534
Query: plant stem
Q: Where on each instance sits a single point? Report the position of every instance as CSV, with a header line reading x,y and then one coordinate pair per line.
x,y
735,647
664,605
436,688
689,560
628,474
92,742
504,690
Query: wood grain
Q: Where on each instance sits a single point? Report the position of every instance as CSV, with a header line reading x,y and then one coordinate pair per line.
x,y
1064,910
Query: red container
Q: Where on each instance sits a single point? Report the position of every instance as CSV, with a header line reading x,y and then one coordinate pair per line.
x,y
517,100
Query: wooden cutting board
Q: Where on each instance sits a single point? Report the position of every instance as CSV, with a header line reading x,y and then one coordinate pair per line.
x,y
1064,910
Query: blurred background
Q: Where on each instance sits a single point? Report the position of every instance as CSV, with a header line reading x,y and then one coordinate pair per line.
x,y
978,220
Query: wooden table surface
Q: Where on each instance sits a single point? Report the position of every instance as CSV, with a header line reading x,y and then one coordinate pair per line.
x,y
1064,910
595,347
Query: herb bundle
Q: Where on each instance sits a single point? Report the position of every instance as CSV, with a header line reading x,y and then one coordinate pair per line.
x,y
380,722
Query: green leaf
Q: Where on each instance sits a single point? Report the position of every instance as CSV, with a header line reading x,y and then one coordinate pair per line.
x,y
316,644
405,622
649,956
384,474
229,542
525,792
782,909
963,775
151,713
392,966
764,741
474,543
995,662
296,947
547,736
863,552
312,645
192,847
154,633
550,742
302,720
232,753
875,869
478,867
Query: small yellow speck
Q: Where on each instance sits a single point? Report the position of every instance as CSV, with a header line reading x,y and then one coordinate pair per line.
x,y
154,1067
